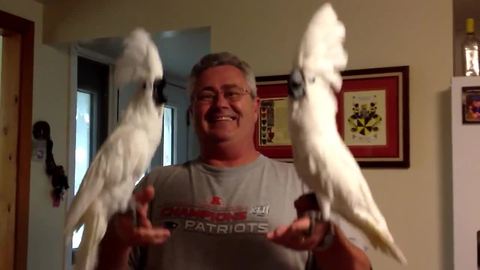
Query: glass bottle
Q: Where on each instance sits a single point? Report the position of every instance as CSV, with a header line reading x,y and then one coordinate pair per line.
x,y
470,50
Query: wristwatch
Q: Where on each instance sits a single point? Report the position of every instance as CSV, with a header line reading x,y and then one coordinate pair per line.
x,y
328,238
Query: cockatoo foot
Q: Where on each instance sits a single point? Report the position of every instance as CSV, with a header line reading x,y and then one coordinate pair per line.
x,y
314,216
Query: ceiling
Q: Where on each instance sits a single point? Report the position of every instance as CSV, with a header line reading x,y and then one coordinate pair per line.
x,y
179,50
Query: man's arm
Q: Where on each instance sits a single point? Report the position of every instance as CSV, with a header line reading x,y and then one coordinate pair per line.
x,y
113,253
335,253
340,255
121,235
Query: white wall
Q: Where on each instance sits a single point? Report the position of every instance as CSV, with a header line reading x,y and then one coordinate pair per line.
x,y
45,247
416,202
50,103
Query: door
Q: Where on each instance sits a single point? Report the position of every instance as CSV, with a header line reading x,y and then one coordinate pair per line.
x,y
9,90
16,73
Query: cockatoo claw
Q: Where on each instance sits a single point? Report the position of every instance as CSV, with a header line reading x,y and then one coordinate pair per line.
x,y
314,216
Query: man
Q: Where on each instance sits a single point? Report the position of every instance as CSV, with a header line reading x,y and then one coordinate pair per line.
x,y
230,208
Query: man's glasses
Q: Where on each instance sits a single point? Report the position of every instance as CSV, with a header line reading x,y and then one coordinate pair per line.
x,y
231,94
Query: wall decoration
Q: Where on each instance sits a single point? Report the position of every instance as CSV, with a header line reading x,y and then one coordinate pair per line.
x,y
471,105
271,135
373,116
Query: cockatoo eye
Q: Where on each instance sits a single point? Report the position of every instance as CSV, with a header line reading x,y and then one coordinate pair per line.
x,y
296,85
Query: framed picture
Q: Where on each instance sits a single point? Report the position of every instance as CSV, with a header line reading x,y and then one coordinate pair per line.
x,y
471,105
271,134
372,116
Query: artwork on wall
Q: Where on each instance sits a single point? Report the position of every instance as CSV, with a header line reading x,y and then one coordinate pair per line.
x,y
471,105
271,134
372,116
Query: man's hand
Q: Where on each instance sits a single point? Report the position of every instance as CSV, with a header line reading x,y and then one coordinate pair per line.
x,y
299,235
144,233
121,234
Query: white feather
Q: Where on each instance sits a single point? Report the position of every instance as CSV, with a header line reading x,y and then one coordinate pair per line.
x,y
124,157
321,158
319,52
139,59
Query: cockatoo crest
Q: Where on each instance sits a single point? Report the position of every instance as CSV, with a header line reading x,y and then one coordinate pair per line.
x,y
321,52
140,60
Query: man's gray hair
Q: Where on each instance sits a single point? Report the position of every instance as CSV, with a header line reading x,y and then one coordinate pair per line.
x,y
220,59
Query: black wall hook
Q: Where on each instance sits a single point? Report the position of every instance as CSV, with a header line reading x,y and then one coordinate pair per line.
x,y
41,131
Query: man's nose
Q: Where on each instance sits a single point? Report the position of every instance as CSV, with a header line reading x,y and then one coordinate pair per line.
x,y
221,101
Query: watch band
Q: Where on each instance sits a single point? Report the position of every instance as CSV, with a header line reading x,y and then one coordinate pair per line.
x,y
328,238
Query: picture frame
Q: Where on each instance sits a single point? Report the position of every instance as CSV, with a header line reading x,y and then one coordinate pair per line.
x,y
376,131
471,105
373,116
271,133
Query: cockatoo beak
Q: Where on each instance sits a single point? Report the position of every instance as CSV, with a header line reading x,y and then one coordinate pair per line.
x,y
158,96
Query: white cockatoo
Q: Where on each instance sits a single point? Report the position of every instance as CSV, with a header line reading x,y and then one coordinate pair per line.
x,y
126,154
321,158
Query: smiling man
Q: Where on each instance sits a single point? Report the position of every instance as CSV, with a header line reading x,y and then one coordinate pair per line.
x,y
231,208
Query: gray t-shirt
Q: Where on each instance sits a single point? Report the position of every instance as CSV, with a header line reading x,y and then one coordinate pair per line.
x,y
222,215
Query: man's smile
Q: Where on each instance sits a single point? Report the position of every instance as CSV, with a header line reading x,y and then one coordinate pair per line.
x,y
221,118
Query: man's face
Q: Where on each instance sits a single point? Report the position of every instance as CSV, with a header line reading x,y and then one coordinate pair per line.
x,y
218,118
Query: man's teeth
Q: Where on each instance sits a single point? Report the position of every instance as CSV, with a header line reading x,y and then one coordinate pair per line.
x,y
223,118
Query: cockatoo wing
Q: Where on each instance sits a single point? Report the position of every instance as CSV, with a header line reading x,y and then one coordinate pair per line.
x,y
353,199
112,164
89,190
322,159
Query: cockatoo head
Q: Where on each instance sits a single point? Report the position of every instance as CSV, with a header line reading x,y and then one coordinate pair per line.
x,y
151,92
140,63
321,56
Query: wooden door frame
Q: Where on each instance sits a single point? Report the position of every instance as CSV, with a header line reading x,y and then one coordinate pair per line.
x,y
26,30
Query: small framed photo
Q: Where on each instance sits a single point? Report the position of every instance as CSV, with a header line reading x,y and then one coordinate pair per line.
x,y
271,134
471,104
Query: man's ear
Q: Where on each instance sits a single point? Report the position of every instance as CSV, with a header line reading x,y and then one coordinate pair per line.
x,y
257,105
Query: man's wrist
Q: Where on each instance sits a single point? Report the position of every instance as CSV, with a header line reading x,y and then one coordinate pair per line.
x,y
112,254
328,238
